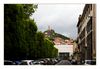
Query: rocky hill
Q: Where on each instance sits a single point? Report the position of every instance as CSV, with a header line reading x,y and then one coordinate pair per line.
x,y
51,34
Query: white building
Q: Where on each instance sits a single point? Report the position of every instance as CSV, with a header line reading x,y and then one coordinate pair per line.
x,y
64,50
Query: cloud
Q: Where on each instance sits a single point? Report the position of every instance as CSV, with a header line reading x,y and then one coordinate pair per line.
x,y
61,17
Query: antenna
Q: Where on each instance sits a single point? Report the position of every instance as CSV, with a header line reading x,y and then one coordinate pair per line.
x,y
49,28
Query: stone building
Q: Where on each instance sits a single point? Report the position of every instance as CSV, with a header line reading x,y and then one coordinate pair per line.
x,y
87,32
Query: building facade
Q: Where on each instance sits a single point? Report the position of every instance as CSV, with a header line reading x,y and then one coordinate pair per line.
x,y
60,41
64,51
87,32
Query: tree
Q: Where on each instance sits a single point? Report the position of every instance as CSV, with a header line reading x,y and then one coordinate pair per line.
x,y
21,39
50,50
19,30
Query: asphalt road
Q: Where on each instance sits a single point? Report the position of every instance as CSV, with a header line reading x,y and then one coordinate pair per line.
x,y
64,62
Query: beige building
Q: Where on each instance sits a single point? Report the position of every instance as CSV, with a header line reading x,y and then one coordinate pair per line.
x,y
87,32
64,51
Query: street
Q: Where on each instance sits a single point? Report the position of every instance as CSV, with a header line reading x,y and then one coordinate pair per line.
x,y
35,35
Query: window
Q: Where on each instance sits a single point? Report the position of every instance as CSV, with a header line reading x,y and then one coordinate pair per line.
x,y
89,25
89,46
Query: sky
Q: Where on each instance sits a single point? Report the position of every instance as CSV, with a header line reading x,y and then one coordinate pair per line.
x,y
62,18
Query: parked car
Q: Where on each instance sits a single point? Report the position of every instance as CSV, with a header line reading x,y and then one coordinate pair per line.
x,y
54,61
58,59
8,62
90,62
45,62
26,62
37,62
17,62
74,62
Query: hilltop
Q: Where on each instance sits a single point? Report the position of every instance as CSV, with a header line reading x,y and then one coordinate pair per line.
x,y
51,34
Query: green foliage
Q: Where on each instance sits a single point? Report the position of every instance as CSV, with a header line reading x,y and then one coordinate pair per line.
x,y
51,51
19,30
21,39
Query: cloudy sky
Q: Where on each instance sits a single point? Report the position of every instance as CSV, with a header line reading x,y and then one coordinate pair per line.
x,y
62,18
